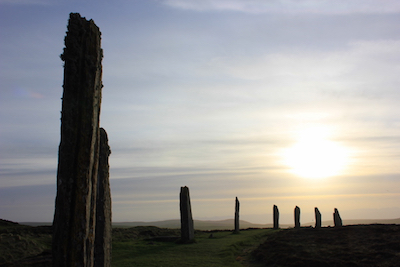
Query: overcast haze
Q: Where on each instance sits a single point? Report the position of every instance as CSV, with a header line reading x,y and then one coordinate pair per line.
x,y
210,94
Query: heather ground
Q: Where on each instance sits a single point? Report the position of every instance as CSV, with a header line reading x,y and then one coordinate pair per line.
x,y
354,245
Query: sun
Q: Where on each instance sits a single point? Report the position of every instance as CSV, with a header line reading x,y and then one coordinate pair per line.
x,y
315,156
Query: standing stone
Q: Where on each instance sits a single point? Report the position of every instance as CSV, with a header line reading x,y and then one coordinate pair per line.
x,y
336,218
318,221
102,249
276,217
237,206
297,217
75,205
187,228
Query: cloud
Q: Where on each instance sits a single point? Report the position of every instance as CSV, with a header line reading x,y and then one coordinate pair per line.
x,y
26,2
357,70
290,6
27,93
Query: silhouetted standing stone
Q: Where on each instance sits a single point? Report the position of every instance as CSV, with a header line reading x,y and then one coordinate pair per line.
x,y
237,206
336,218
297,217
187,228
276,217
102,250
318,222
75,207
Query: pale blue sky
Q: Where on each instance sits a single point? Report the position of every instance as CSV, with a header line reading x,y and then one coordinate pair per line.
x,y
208,94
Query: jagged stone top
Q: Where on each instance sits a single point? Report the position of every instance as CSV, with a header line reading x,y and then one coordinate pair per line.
x,y
76,18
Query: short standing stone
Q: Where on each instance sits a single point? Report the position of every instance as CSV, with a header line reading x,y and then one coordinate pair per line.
x,y
336,218
318,221
276,217
187,228
297,217
237,206
102,250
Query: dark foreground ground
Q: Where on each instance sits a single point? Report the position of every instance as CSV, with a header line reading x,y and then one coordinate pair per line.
x,y
22,245
355,245
358,245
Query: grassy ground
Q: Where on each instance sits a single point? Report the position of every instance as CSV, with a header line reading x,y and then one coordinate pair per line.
x,y
136,246
358,245
221,249
20,242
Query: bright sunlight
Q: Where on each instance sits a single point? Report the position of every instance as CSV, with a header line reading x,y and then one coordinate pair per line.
x,y
315,156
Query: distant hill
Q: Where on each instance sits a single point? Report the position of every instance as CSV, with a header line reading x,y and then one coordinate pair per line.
x,y
356,222
37,223
372,221
5,223
227,224
198,224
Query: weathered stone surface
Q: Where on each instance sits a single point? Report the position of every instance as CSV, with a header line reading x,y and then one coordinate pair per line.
x,y
336,218
318,221
237,226
276,217
297,217
102,250
75,207
187,228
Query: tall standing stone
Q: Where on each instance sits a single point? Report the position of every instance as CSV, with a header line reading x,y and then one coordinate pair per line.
x,y
336,218
187,228
102,250
75,207
318,221
276,217
237,206
297,217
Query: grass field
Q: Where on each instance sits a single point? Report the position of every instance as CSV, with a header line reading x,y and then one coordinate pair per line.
x,y
355,245
136,246
221,249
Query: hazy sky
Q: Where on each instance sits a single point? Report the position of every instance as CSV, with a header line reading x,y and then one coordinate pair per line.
x,y
243,98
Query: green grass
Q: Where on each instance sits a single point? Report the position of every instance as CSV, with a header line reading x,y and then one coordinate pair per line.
x,y
134,246
361,245
223,249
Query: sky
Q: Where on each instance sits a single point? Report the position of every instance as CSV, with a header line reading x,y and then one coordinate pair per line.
x,y
280,102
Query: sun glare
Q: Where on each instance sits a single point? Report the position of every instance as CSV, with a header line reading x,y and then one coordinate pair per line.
x,y
315,156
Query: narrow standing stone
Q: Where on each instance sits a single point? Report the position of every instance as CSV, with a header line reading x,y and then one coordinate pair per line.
x,y
187,228
102,250
297,217
276,217
318,222
75,207
237,206
336,218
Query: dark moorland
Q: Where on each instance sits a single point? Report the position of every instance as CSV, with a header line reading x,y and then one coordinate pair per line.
x,y
355,245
